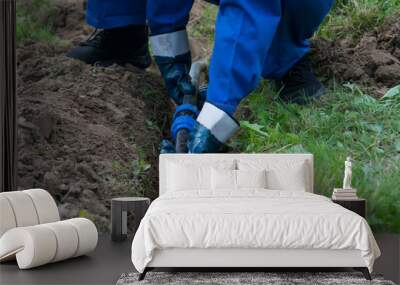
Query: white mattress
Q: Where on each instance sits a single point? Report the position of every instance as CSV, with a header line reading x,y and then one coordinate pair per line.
x,y
252,219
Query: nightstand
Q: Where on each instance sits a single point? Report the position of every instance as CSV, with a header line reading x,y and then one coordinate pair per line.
x,y
119,215
356,205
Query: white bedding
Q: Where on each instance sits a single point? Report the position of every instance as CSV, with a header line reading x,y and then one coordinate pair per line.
x,y
250,219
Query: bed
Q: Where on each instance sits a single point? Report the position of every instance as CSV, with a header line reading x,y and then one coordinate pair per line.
x,y
246,211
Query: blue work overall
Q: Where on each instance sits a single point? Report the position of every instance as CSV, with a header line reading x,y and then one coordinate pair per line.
x,y
254,38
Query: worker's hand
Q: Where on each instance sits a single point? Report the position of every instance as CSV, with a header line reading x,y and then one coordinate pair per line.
x,y
175,71
166,147
212,129
172,54
201,140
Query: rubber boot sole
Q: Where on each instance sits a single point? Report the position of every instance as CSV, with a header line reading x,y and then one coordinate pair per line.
x,y
304,100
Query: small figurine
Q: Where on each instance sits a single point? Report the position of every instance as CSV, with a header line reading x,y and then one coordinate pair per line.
x,y
347,173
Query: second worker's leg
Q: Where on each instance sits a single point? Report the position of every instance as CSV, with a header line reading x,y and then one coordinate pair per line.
x,y
244,33
170,44
287,62
123,38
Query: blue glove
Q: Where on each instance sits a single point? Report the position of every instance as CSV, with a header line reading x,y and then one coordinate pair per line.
x,y
172,55
201,140
212,129
166,147
175,72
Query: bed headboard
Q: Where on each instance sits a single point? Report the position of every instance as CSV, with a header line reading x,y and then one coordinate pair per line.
x,y
210,159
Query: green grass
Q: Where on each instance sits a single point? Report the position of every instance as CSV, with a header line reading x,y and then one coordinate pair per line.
x,y
352,18
132,174
346,122
35,21
204,26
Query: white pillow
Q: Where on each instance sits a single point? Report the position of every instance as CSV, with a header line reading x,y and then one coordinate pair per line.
x,y
183,177
251,178
281,174
225,179
184,174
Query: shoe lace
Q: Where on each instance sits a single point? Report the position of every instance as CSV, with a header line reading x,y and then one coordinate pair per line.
x,y
96,38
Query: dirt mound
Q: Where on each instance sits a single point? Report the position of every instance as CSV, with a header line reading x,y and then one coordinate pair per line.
x,y
87,133
70,20
372,61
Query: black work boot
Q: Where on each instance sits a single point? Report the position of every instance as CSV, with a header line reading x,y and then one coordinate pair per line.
x,y
299,85
126,45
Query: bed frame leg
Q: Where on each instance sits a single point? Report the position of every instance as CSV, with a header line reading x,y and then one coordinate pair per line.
x,y
143,274
364,271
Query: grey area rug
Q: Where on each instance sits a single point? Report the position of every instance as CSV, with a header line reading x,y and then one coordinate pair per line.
x,y
236,278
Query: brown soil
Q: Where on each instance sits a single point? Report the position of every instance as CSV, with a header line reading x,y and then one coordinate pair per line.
x,y
373,61
86,134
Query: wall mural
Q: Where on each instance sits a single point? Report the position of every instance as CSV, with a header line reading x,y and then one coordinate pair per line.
x,y
89,133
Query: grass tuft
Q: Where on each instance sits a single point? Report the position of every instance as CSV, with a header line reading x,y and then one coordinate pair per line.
x,y
353,18
35,20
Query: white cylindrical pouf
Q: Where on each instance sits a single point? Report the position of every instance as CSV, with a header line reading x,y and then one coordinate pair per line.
x,y
23,208
87,234
33,246
7,218
41,244
45,205
67,239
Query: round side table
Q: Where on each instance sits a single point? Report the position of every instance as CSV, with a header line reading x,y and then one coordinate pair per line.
x,y
119,215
